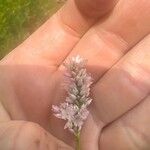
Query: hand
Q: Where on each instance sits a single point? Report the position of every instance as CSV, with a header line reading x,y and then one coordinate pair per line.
x,y
112,35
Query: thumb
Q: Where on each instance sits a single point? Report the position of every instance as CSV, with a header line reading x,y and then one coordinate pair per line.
x,y
22,135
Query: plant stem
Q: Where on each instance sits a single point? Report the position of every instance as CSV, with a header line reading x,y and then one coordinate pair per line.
x,y
77,136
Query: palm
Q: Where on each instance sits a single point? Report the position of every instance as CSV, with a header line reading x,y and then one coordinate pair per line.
x,y
33,73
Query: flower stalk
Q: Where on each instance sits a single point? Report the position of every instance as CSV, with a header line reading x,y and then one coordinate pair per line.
x,y
74,109
77,138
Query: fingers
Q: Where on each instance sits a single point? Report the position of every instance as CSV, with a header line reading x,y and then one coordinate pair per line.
x,y
56,38
125,85
107,41
84,13
21,135
130,132
103,45
129,20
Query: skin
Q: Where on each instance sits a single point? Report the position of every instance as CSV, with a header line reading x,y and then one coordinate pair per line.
x,y
114,37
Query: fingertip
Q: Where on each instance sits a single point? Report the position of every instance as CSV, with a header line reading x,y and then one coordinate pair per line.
x,y
95,8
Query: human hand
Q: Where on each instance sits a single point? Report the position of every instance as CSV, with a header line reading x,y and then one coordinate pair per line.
x,y
112,39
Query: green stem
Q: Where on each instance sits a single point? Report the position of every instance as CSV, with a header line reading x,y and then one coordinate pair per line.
x,y
77,136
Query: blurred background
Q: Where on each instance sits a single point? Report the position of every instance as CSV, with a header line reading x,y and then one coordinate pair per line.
x,y
20,18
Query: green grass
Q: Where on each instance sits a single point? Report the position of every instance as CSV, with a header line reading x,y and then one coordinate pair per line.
x,y
19,18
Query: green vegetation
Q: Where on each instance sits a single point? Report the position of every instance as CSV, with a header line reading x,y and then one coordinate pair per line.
x,y
19,18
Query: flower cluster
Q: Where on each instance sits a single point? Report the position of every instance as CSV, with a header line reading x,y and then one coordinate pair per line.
x,y
74,109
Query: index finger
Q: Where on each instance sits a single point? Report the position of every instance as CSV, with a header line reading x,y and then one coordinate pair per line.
x,y
55,39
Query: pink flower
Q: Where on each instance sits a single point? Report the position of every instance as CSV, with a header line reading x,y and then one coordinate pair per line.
x,y
74,109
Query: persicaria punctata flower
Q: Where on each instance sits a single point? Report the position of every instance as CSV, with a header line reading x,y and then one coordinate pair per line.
x,y
74,109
